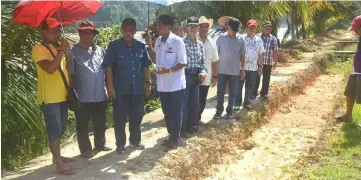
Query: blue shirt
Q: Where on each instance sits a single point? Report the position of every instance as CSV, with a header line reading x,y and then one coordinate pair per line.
x,y
127,65
89,74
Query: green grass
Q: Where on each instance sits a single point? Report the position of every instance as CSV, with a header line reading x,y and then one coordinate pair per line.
x,y
341,156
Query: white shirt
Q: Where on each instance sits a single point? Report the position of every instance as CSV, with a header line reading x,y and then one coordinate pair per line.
x,y
168,54
211,55
254,46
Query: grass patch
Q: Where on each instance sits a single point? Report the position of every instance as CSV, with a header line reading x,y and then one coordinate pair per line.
x,y
341,156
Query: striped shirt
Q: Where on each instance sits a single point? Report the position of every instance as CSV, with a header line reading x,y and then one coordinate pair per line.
x,y
270,44
195,57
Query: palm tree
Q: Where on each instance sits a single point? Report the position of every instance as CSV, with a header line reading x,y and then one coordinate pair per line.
x,y
243,10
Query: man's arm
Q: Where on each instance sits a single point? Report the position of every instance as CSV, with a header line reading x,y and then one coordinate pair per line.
x,y
152,54
51,66
108,64
202,62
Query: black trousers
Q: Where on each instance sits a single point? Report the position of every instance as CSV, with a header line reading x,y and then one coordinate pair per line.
x,y
266,72
97,113
203,93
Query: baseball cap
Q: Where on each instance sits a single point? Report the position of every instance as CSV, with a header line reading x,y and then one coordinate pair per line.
x,y
192,21
356,23
88,26
267,24
252,22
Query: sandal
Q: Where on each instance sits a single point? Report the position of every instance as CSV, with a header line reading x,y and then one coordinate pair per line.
x,y
342,118
67,172
65,160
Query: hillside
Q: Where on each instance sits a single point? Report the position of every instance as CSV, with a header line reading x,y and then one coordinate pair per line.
x,y
113,12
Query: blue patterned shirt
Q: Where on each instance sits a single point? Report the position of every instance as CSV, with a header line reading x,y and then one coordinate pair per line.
x,y
195,57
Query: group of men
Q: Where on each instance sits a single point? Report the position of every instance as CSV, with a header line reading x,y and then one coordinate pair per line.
x,y
188,63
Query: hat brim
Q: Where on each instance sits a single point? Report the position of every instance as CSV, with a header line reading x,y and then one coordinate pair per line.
x,y
192,24
209,21
223,21
88,29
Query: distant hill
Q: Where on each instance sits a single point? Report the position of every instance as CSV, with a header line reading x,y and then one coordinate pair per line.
x,y
113,12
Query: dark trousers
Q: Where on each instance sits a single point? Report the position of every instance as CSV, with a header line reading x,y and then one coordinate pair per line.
x,y
125,106
222,81
266,72
191,103
172,106
203,93
250,81
97,113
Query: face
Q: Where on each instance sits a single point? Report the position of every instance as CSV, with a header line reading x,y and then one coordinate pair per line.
x,y
203,29
87,36
161,28
178,30
128,32
358,31
192,30
266,30
229,29
52,35
251,30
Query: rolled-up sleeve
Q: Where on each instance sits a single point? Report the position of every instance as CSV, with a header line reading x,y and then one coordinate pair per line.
x,y
181,53
215,56
109,57
260,48
202,61
242,51
275,46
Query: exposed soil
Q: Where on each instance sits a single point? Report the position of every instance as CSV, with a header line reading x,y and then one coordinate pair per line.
x,y
286,135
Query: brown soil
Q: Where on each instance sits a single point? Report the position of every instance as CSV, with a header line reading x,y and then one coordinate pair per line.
x,y
152,163
288,135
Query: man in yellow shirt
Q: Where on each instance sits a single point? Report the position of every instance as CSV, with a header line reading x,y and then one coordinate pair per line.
x,y
51,95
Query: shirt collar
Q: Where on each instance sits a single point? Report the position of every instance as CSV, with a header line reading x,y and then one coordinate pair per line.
x,y
170,38
80,45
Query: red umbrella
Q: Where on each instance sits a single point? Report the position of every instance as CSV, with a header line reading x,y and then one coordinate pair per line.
x,y
32,13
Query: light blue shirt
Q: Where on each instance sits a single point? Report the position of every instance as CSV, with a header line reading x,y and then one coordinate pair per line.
x,y
89,74
168,54
230,50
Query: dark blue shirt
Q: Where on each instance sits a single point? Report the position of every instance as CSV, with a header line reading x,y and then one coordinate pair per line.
x,y
127,64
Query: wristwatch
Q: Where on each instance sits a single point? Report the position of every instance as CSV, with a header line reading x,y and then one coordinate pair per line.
x,y
148,81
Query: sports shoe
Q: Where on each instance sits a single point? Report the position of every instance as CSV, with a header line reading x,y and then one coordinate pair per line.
x,y
217,116
139,146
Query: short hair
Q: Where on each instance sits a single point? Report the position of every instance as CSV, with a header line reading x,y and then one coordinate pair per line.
x,y
166,19
129,21
44,25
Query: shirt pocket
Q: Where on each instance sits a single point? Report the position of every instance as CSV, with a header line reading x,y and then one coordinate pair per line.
x,y
169,60
120,61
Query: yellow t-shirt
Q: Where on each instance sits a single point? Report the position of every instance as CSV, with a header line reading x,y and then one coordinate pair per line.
x,y
51,88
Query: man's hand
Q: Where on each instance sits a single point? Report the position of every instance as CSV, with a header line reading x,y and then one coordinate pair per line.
x,y
163,70
148,89
274,65
64,45
201,78
111,93
243,74
214,81
259,71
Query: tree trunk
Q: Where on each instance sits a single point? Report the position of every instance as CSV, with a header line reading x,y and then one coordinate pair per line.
x,y
303,29
293,22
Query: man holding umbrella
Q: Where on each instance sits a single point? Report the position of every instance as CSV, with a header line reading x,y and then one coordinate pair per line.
x,y
51,93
